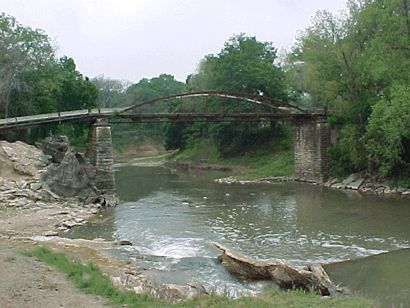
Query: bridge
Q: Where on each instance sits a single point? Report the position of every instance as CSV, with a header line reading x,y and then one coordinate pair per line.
x,y
311,139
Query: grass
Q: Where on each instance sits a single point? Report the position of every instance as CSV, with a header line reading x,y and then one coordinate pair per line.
x,y
269,159
273,297
90,279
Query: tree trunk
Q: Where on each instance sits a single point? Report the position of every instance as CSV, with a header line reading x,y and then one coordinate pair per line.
x,y
312,278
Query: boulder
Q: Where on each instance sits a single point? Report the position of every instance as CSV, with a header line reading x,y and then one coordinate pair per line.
x,y
68,179
56,147
350,179
355,185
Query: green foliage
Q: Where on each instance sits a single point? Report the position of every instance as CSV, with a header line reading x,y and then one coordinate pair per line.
x,y
352,63
271,155
111,92
243,65
174,136
25,54
33,81
347,154
147,89
388,129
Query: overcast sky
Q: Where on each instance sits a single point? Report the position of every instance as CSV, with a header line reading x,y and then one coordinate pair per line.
x,y
132,39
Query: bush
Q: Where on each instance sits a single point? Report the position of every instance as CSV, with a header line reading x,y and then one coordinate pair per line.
x,y
347,155
388,132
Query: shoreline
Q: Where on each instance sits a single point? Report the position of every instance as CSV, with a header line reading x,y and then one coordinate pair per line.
x,y
364,184
32,215
352,183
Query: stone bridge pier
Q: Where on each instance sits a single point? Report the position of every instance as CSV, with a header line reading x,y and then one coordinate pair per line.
x,y
99,152
311,144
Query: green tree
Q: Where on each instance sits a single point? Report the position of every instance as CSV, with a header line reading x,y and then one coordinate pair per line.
x,y
24,54
353,63
388,133
146,89
243,65
33,81
111,92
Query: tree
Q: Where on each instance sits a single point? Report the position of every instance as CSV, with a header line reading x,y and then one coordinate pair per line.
x,y
23,53
75,91
146,89
388,133
243,65
33,81
354,63
111,92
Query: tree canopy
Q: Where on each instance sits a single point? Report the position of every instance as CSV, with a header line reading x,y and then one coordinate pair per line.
x,y
33,80
358,63
243,65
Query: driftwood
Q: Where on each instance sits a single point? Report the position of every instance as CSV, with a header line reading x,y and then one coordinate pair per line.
x,y
312,278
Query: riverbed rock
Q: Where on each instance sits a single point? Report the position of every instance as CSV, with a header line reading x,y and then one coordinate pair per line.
x,y
125,242
406,192
355,185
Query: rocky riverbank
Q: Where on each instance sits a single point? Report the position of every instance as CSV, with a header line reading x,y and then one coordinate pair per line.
x,y
43,194
362,183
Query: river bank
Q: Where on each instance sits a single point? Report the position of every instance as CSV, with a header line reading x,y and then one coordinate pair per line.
x,y
354,182
32,215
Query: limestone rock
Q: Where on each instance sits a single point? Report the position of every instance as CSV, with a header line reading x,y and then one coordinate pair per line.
x,y
56,147
68,179
19,160
355,185
350,179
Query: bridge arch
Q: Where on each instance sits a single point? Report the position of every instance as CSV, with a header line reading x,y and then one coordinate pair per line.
x,y
265,101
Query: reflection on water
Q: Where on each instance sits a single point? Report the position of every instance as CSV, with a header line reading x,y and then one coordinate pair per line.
x,y
173,221
385,277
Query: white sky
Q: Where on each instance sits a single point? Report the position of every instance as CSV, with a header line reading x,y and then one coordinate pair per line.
x,y
132,39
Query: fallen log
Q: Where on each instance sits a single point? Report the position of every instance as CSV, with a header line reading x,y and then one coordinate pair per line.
x,y
310,278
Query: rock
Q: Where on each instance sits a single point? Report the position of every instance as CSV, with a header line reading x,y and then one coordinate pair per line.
x,y
18,159
401,190
21,202
56,147
356,184
68,179
125,242
406,193
50,233
338,185
350,179
312,278
35,186
45,159
379,190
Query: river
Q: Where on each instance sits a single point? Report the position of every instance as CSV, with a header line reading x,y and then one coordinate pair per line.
x,y
173,219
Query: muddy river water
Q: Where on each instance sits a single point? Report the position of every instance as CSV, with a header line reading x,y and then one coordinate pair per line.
x,y
173,219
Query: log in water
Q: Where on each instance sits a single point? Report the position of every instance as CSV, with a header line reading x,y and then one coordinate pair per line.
x,y
312,278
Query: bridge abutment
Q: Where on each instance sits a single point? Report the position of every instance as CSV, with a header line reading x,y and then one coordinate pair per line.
x,y
99,152
311,142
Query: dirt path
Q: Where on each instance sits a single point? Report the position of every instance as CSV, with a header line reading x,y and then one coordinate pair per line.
x,y
26,282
